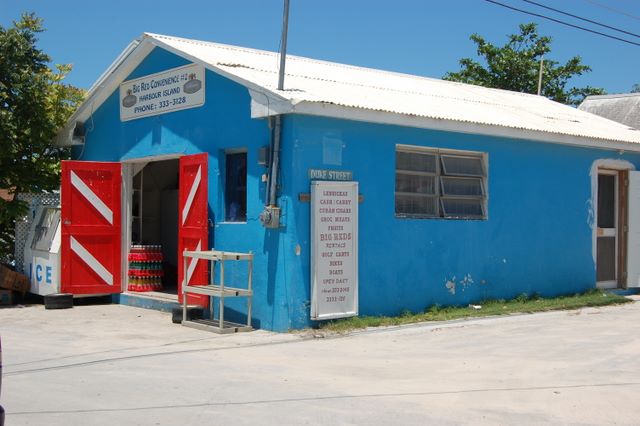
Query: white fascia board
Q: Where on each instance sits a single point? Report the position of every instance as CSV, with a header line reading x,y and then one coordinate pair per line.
x,y
109,81
382,117
263,104
124,65
65,135
241,81
122,57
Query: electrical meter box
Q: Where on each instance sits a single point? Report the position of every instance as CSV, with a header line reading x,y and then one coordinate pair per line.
x,y
42,251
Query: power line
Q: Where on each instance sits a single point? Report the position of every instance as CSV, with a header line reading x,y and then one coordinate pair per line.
x,y
611,9
563,22
580,18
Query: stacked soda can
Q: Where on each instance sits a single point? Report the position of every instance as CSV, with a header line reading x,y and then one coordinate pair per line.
x,y
145,268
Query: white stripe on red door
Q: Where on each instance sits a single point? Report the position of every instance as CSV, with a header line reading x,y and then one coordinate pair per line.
x,y
91,261
192,194
92,197
192,264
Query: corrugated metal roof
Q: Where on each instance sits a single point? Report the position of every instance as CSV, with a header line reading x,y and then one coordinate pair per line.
x,y
377,95
309,80
623,108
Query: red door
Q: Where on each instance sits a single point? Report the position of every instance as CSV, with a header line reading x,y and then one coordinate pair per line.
x,y
193,216
91,228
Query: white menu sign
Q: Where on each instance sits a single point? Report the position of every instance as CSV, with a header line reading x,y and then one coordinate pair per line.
x,y
171,90
334,249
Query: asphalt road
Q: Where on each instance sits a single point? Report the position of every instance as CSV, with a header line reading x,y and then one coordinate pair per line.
x,y
118,365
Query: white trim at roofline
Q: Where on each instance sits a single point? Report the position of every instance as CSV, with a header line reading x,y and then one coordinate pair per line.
x,y
611,96
136,52
248,84
124,65
380,117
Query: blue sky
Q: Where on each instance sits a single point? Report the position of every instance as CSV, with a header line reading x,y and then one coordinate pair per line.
x,y
420,37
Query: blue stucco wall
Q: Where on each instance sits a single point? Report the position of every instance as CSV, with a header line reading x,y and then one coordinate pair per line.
x,y
537,238
222,123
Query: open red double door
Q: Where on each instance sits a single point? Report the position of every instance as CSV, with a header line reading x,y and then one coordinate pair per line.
x,y
92,254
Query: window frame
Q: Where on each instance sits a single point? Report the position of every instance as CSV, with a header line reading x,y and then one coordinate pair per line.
x,y
226,205
439,194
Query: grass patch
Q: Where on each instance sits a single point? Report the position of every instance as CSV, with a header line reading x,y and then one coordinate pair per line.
x,y
521,304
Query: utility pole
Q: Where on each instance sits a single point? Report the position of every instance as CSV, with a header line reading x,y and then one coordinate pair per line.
x,y
540,75
270,217
283,51
275,157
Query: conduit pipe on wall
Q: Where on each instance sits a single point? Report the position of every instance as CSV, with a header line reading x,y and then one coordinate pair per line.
x,y
270,217
275,161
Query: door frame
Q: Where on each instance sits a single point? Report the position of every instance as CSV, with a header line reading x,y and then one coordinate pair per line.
x,y
128,172
611,232
621,169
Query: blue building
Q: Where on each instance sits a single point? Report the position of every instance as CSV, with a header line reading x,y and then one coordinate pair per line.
x,y
464,193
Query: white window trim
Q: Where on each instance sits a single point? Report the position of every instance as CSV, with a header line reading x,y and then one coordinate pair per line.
x,y
438,174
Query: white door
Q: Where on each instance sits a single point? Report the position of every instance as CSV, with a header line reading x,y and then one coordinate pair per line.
x,y
607,232
633,236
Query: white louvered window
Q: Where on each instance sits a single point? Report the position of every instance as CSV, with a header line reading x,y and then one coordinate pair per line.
x,y
433,183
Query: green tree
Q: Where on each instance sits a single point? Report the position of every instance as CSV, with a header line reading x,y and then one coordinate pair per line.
x,y
635,88
34,104
516,65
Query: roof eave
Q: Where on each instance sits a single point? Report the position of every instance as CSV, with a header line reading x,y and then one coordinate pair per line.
x,y
267,102
123,66
384,117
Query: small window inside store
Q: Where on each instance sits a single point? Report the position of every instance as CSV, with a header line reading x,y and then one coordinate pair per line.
x,y
235,195
432,183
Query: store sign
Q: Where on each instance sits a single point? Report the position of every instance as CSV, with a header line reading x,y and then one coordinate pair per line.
x,y
323,174
334,249
168,91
